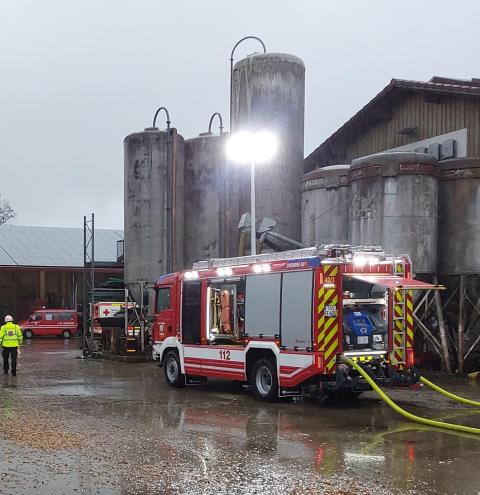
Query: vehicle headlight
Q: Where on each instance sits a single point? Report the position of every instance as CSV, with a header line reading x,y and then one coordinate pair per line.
x,y
347,339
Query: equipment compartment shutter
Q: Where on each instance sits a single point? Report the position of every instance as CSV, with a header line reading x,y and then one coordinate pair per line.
x,y
297,309
262,304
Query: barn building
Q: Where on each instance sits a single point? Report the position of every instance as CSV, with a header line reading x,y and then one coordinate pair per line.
x,y
43,266
441,116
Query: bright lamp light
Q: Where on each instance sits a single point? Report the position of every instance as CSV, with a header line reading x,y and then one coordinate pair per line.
x,y
359,261
238,147
258,147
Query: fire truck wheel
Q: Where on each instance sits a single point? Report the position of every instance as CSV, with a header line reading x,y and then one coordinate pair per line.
x,y
264,380
173,373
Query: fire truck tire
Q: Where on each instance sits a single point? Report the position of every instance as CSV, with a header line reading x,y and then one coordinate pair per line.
x,y
264,380
28,334
173,371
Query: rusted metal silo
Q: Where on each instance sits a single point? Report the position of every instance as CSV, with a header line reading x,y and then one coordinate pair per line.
x,y
459,214
211,199
268,93
325,204
394,203
154,165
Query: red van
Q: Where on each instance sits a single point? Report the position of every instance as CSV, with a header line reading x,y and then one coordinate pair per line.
x,y
59,322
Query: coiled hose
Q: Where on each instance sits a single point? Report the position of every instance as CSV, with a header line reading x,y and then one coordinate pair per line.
x,y
406,414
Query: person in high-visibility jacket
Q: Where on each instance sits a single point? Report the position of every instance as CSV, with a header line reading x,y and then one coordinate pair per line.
x,y
11,338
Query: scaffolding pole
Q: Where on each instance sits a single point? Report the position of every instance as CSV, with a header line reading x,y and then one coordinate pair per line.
x,y
88,282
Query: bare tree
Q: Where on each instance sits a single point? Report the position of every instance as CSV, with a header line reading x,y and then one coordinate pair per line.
x,y
6,211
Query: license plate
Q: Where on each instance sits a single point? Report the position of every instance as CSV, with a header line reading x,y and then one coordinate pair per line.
x,y
362,340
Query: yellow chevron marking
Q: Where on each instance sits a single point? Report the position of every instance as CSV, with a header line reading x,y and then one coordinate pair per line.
x,y
320,292
331,364
331,334
334,272
410,319
334,301
332,348
328,295
398,310
320,322
328,323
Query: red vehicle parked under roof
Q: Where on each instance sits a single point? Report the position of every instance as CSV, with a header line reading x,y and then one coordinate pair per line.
x,y
59,322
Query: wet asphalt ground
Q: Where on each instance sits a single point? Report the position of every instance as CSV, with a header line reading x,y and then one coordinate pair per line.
x,y
73,426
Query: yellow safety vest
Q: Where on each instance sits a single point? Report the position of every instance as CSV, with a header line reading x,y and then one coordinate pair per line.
x,y
10,335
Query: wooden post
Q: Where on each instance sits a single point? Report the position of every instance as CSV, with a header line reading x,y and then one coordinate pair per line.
x,y
461,330
441,325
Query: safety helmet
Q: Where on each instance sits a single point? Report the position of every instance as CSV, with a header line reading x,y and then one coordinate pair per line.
x,y
8,318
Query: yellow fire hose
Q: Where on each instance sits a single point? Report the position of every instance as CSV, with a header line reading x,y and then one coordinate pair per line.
x,y
406,414
449,394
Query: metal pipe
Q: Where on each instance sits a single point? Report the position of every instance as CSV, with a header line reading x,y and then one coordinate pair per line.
x,y
460,336
84,285
441,327
253,229
92,278
168,222
216,114
173,209
231,68
156,115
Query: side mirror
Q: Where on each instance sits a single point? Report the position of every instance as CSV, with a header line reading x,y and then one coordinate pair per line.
x,y
146,298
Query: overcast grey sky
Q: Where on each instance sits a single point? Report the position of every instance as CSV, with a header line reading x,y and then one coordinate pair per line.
x,y
77,76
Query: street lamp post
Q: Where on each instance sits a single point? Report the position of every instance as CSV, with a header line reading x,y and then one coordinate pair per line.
x,y
253,148
253,220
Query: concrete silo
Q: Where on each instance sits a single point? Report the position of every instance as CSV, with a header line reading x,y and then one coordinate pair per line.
x,y
268,93
154,166
394,203
459,217
211,200
325,204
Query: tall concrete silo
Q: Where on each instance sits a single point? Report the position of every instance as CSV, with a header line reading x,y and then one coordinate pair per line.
x,y
211,200
394,203
459,217
325,204
154,167
268,92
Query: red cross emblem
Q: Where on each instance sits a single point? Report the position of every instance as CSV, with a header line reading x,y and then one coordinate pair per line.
x,y
106,312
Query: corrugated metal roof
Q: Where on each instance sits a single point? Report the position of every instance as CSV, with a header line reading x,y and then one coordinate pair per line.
x,y
53,246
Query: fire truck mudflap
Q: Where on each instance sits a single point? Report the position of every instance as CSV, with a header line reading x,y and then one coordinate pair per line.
x,y
280,321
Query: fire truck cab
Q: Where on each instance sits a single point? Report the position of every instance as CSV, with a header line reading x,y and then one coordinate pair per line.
x,y
281,321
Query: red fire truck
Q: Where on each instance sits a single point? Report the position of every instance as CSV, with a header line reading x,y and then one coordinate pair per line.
x,y
281,321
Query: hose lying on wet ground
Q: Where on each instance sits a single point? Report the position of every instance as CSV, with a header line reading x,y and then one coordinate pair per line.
x,y
406,414
428,383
